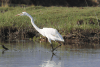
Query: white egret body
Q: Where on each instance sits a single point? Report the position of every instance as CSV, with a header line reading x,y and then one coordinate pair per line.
x,y
50,33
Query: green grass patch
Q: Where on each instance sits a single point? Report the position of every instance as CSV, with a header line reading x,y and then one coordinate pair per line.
x,y
61,18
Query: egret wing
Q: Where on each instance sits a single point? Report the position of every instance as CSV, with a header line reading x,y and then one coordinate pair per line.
x,y
53,34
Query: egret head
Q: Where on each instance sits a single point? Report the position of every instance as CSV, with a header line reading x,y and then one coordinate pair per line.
x,y
22,14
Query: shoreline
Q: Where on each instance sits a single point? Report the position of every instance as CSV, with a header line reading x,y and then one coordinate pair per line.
x,y
74,37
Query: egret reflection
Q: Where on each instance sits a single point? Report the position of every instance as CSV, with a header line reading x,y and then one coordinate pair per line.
x,y
51,63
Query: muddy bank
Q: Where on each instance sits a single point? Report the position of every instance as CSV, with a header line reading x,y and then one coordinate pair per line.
x,y
9,33
74,37
79,35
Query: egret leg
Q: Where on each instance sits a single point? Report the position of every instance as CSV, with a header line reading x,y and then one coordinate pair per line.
x,y
52,46
56,47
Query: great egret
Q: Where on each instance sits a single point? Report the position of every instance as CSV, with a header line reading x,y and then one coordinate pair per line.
x,y
50,33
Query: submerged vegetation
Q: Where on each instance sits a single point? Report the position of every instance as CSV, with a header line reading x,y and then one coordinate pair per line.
x,y
65,19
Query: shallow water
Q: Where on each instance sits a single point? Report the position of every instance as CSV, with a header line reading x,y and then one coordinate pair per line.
x,y
33,54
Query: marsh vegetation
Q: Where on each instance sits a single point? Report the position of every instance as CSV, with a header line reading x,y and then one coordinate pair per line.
x,y
71,22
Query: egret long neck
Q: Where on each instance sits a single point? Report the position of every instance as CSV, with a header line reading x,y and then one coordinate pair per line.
x,y
33,22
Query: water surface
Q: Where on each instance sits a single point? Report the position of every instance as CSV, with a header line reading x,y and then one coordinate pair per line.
x,y
33,54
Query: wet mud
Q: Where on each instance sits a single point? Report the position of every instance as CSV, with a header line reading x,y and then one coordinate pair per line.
x,y
9,33
77,36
